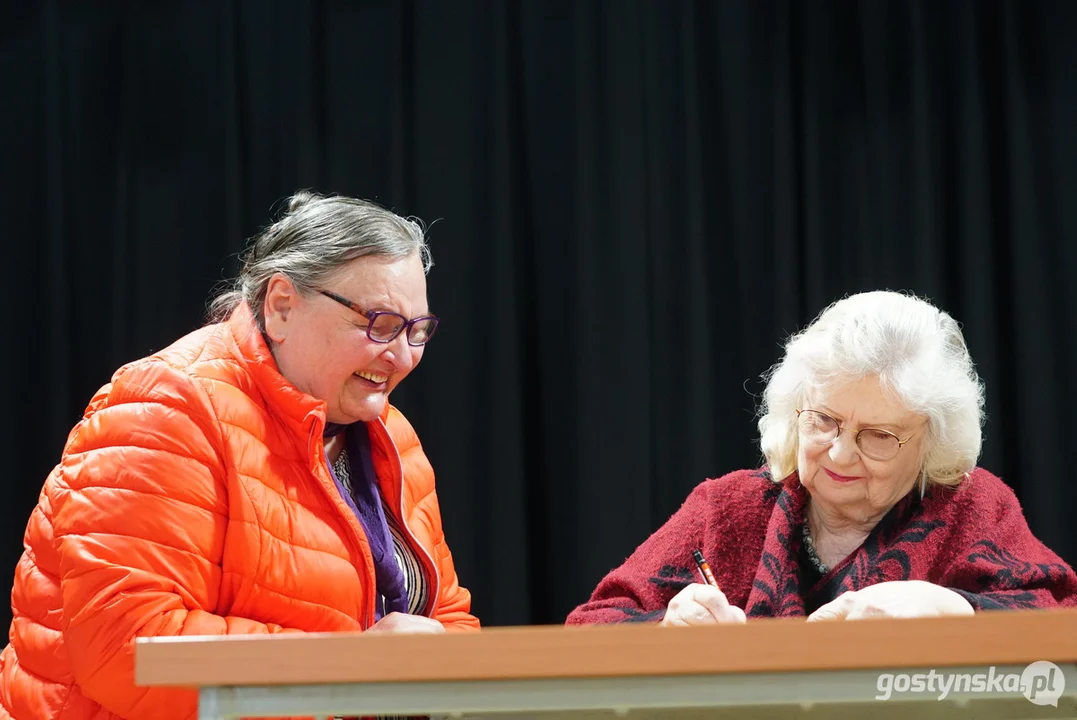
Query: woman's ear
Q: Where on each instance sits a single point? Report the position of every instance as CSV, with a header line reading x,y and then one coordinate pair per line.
x,y
280,302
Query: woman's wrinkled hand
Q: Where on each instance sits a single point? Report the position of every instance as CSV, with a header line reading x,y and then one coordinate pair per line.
x,y
699,604
896,599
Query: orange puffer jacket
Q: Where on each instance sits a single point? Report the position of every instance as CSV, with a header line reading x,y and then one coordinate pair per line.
x,y
193,498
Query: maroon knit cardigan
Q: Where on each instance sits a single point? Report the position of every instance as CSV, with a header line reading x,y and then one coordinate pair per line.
x,y
972,538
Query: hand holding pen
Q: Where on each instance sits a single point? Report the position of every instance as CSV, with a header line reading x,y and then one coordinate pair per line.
x,y
701,603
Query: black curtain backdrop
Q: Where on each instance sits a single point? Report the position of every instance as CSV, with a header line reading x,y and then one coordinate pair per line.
x,y
635,203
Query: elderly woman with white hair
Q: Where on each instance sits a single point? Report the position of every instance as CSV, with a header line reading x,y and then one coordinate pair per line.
x,y
870,503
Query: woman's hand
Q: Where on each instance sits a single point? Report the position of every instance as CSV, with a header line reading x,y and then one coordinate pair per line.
x,y
700,605
897,599
397,622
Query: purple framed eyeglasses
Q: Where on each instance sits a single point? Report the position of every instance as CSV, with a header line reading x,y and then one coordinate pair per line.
x,y
383,326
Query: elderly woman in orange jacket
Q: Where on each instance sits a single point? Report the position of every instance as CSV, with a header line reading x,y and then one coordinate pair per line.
x,y
250,478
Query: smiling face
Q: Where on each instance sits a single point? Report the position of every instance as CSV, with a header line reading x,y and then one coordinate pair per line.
x,y
844,481
322,347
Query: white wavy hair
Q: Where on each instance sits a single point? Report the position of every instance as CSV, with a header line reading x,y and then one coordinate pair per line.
x,y
918,353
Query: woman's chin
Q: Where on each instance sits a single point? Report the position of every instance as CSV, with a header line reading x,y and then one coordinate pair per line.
x,y
365,409
838,494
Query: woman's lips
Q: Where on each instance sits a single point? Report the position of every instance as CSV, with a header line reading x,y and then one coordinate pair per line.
x,y
840,478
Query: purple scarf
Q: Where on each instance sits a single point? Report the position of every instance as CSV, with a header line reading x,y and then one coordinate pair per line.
x,y
365,502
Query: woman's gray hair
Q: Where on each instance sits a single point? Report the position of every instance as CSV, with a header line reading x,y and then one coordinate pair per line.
x,y
918,353
316,236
